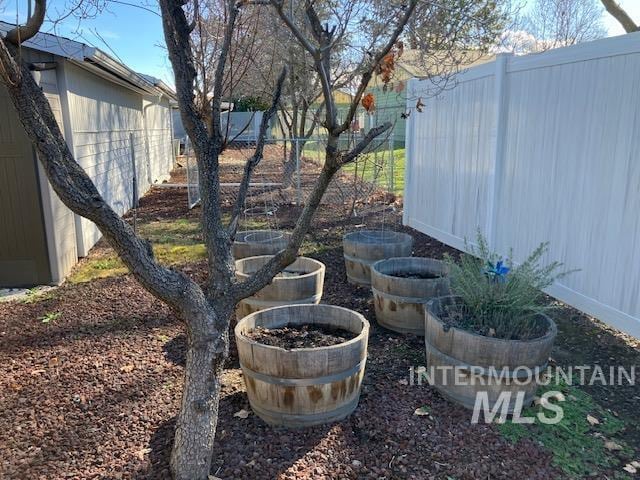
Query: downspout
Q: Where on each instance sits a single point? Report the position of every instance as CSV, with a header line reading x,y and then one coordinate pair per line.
x,y
146,142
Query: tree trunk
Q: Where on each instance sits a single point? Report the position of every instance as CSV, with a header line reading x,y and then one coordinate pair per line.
x,y
195,430
290,165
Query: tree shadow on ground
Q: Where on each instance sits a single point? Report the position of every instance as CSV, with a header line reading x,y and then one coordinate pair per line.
x,y
238,442
160,445
175,350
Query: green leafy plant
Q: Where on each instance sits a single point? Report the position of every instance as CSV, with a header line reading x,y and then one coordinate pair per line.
x,y
498,298
579,447
250,104
50,317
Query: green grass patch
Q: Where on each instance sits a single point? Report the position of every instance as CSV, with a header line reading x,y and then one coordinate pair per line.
x,y
174,242
182,231
384,170
49,317
312,247
111,266
579,448
371,167
37,294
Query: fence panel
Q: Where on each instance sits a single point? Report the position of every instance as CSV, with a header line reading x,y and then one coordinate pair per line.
x,y
540,148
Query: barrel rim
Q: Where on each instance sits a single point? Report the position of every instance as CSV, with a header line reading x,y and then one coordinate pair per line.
x,y
363,335
239,240
429,312
320,268
374,270
402,237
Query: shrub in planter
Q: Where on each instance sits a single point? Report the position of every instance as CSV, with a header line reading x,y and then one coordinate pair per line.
x,y
492,334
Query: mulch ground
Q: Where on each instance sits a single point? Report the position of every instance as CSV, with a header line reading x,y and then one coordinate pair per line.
x,y
94,393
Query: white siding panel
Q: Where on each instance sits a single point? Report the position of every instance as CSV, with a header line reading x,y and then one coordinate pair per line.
x,y
448,185
569,175
157,118
58,219
107,129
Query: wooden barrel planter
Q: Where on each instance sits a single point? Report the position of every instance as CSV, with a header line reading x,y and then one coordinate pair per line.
x,y
300,282
401,288
496,365
251,243
306,386
365,247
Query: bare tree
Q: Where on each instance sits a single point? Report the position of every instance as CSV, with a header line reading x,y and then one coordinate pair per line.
x,y
559,23
206,311
621,15
209,18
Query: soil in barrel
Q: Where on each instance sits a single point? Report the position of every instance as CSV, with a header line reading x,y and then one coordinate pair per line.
x,y
415,275
301,336
516,329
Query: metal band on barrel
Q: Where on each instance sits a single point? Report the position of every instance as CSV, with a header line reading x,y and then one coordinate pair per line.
x,y
304,382
484,371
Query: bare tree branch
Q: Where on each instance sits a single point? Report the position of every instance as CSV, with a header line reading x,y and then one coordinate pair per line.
x,y
32,27
621,15
219,73
255,159
177,30
207,148
368,73
364,143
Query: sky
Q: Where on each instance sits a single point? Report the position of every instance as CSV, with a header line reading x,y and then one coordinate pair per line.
x,y
134,35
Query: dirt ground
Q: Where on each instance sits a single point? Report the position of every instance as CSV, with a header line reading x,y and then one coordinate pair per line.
x,y
92,375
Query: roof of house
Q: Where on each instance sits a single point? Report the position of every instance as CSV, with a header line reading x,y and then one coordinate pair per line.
x,y
419,64
94,60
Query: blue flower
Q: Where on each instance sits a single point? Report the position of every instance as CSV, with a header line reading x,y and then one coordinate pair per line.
x,y
498,272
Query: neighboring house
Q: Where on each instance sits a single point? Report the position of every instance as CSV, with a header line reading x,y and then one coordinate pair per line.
x,y
392,101
116,122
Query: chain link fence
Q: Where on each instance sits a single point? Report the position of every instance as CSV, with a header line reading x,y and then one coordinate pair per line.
x,y
290,168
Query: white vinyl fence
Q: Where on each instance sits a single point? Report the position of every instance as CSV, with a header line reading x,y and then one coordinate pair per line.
x,y
543,147
242,126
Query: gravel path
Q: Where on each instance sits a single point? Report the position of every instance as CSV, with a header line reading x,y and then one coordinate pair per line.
x,y
94,393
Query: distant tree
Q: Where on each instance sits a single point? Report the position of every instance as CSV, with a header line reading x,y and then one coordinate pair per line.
x,y
518,42
621,15
559,23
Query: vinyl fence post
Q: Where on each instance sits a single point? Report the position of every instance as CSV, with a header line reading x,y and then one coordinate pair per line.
x,y
409,139
493,189
257,119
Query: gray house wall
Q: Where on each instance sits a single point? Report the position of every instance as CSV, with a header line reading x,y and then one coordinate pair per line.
x,y
37,236
113,129
159,145
59,221
108,136
24,257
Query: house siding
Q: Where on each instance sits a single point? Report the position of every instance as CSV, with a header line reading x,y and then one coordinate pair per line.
x,y
59,221
24,256
117,134
157,121
108,136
